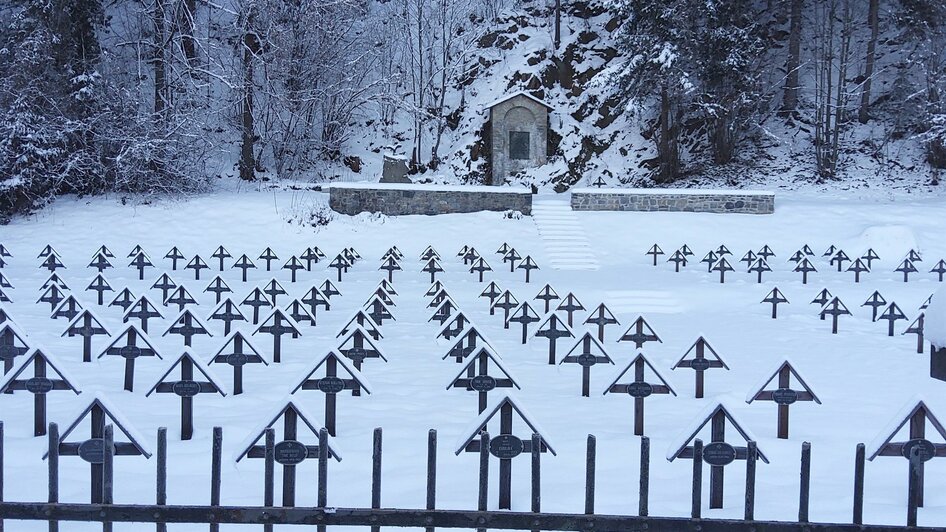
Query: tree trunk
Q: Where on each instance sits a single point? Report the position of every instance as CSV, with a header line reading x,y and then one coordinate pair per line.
x,y
667,149
558,24
790,98
247,157
160,72
188,43
874,25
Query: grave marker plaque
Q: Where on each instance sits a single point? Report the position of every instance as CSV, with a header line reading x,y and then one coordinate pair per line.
x,y
586,353
783,396
187,388
40,384
699,362
639,388
331,384
640,333
237,352
131,344
554,328
86,325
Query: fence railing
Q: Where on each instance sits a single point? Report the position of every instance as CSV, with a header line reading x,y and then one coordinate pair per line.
x,y
103,510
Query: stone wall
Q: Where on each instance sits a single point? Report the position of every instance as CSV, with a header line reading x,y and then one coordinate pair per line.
x,y
396,199
674,200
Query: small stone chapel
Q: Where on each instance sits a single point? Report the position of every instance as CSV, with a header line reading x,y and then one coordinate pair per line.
x,y
519,125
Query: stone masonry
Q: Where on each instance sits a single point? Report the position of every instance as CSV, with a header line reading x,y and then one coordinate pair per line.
x,y
420,199
674,200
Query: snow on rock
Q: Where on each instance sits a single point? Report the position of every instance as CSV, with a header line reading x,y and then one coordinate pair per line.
x,y
934,326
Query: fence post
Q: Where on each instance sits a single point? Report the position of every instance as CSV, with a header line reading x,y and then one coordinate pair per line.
x,y
859,484
376,474
536,473
697,478
215,471
431,472
483,499
914,486
590,475
1,470
108,472
161,488
323,471
805,484
752,452
53,458
644,477
269,460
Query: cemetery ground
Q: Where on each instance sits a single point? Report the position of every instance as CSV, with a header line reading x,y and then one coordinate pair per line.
x,y
862,376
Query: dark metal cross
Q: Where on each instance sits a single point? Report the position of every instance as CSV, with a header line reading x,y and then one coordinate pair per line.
x,y
197,264
244,263
524,315
269,256
130,351
654,251
175,255
775,297
583,354
279,325
554,329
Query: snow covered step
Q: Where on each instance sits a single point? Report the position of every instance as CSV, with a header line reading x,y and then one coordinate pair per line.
x,y
566,243
644,302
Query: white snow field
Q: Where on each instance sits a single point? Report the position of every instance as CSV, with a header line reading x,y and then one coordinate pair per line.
x,y
862,376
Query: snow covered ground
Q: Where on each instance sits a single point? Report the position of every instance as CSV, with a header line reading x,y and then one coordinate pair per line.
x,y
862,376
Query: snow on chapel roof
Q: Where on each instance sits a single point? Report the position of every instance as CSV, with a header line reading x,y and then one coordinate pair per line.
x,y
513,95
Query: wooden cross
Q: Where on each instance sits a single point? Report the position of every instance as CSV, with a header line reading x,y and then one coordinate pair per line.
x,y
470,256
100,262
917,444
642,333
554,328
505,446
290,451
278,324
9,350
749,258
269,256
917,328
797,257
165,284
141,262
39,385
68,308
914,256
444,311
143,310
835,308
700,363
907,268
710,259
187,388
175,255
830,251
875,301
244,263
759,267
257,299
686,251
219,287
358,347
870,256
238,351
523,315
480,266
722,266
722,250
312,256
293,265
4,252
858,267
364,321
547,294
180,297
384,296
939,269
52,263
47,251
100,285
135,345
583,354
92,450
507,302
466,344
654,251
298,312
892,313
315,298
340,263
329,290
838,259
86,325
775,297
511,256
53,295
822,298
429,253
4,298
718,453
766,252
528,265
379,311
331,384
273,289
492,291
391,265
387,287
454,327
677,259
439,298
187,325
220,254
569,306
784,396
476,376
639,388
503,249
197,264
4,283
433,268
805,267
601,317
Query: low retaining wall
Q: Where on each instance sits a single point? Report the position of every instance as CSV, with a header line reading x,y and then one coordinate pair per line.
x,y
670,199
398,199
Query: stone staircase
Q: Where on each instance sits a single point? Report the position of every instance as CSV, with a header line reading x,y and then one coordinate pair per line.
x,y
566,244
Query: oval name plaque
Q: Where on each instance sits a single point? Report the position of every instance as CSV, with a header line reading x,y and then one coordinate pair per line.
x,y
130,351
700,364
483,383
92,450
505,446
784,396
186,388
331,385
587,360
290,452
639,390
237,359
39,385
8,352
925,448
719,453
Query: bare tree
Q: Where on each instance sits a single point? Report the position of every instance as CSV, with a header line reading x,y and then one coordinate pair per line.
x,y
793,64
873,22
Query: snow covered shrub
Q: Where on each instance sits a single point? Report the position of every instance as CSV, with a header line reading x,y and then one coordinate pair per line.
x,y
512,215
